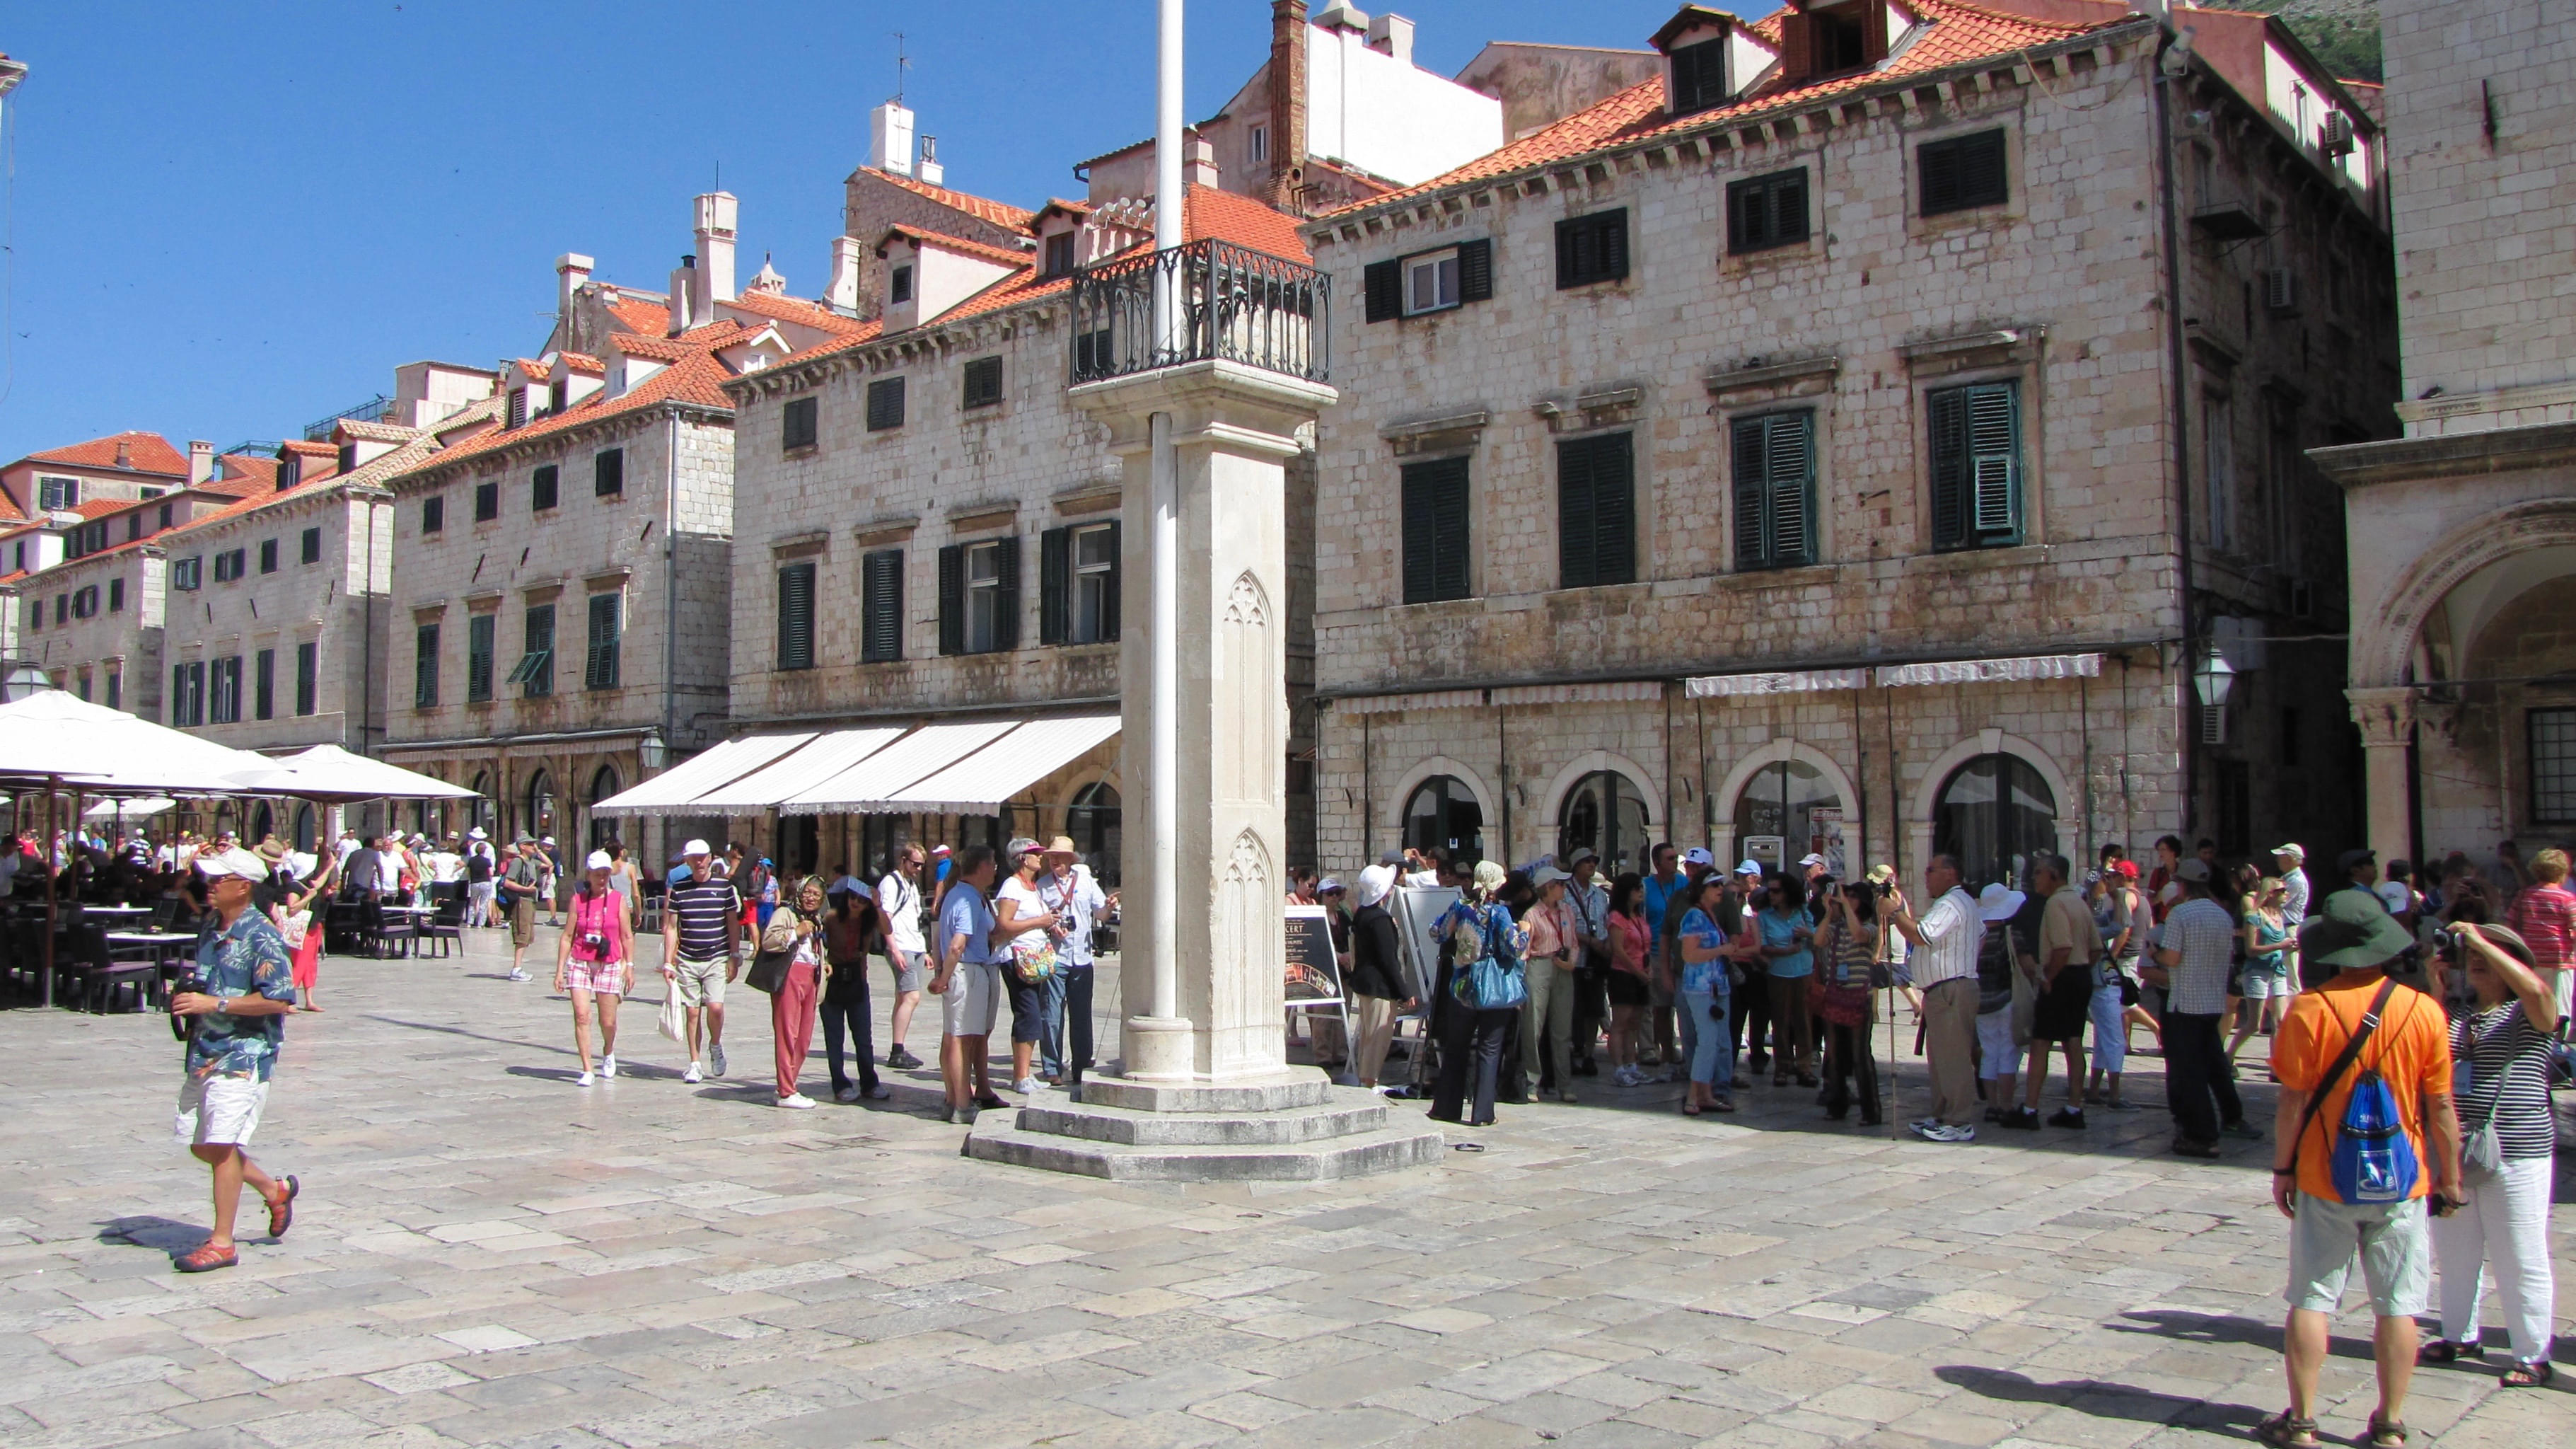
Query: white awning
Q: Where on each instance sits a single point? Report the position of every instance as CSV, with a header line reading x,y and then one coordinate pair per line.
x,y
674,788
795,772
863,787
1622,691
1791,681
1993,671
1398,703
979,783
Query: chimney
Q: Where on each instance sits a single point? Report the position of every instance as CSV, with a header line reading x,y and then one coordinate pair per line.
x,y
1198,162
125,453
684,291
1287,105
930,172
201,462
842,291
715,254
571,270
1392,35
890,138
1342,17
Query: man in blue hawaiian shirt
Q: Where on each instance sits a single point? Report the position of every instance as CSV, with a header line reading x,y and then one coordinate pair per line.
x,y
238,1021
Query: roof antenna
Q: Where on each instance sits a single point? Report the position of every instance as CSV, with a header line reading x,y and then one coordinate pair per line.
x,y
902,63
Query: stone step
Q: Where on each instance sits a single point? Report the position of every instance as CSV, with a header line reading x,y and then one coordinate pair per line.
x,y
997,1137
1348,1112
1291,1087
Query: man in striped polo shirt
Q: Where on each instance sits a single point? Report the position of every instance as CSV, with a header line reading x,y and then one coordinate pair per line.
x,y
701,931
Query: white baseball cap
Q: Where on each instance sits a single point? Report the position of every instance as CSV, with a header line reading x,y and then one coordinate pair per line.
x,y
1697,856
232,862
695,847
1748,866
597,860
1811,858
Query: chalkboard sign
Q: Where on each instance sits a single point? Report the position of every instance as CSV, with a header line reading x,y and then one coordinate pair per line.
x,y
1311,973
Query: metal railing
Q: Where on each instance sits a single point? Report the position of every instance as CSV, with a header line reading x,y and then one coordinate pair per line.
x,y
251,448
1235,304
371,411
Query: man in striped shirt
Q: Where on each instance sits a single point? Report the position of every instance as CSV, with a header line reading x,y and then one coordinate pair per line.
x,y
1944,966
701,932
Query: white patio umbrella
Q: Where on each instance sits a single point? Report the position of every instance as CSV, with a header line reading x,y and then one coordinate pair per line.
x,y
331,775
52,737
142,808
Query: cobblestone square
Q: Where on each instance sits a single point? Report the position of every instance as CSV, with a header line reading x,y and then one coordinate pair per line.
x,y
488,1254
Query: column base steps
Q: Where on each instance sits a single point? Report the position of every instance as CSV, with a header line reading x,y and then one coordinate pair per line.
x,y
1316,1133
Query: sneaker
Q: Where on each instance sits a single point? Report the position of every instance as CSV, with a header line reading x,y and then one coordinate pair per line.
x,y
845,1094
1922,1124
517,974
1627,1077
715,1059
2021,1119
1026,1086
797,1102
901,1060
608,1065
1941,1132
584,1080
2066,1117
1566,1095
878,1093
691,1075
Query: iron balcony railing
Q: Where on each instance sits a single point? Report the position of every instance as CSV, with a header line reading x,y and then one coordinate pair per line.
x,y
1234,303
373,410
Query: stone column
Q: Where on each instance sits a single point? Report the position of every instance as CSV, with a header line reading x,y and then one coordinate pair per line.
x,y
2387,720
1233,428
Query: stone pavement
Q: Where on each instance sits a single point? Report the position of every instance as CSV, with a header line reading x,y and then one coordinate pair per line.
x,y
487,1254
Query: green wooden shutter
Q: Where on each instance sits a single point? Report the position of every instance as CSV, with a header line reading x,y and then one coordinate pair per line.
x,y
1752,494
1476,270
599,670
1055,584
1950,470
1596,512
952,599
1790,470
881,603
424,666
1574,561
796,616
1006,598
478,657
1382,291
308,672
1435,530
1994,447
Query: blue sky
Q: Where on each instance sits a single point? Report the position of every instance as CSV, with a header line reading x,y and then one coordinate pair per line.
x,y
228,219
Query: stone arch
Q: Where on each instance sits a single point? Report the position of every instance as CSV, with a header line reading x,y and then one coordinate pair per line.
x,y
1647,782
1785,748
1926,794
2395,623
1391,810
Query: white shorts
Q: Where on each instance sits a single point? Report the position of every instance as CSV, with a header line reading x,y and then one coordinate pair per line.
x,y
2002,1056
974,1000
218,1110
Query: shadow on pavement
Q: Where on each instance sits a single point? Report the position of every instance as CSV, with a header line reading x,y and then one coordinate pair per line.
x,y
2102,1400
157,1233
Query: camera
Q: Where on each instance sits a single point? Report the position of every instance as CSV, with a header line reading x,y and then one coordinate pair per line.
x,y
188,982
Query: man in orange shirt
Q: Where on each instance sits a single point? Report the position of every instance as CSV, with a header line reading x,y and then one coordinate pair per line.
x,y
2410,1049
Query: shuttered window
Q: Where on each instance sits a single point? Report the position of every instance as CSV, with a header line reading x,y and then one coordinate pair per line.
x,y
1763,212
424,666
1078,578
312,546
979,597
1963,172
798,426
487,502
1596,511
885,404
608,473
478,658
545,488
268,555
599,664
224,692
1435,530
1699,77
796,616
1775,491
188,693
433,514
115,596
983,382
535,673
1592,249
308,677
1976,465
881,606
263,685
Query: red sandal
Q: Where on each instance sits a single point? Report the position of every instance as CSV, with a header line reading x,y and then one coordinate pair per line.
x,y
281,1210
205,1258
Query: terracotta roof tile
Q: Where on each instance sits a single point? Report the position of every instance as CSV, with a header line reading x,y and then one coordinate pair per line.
x,y
999,213
792,309
694,377
1007,256
582,362
672,349
1010,292
641,314
149,452
1961,33
421,447
1222,215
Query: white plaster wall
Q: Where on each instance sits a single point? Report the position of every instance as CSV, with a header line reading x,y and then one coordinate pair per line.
x,y
1388,117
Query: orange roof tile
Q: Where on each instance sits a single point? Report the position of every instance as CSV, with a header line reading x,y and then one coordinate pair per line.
x,y
792,309
10,512
1963,33
640,314
248,468
1208,213
1007,256
693,377
999,213
672,349
148,452
583,362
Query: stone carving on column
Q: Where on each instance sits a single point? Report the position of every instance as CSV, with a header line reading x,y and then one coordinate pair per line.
x,y
2386,716
1257,696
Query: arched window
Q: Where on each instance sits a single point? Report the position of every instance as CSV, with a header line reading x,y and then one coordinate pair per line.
x,y
1443,814
478,811
1994,814
1093,822
541,805
603,784
1606,811
305,823
263,823
1776,819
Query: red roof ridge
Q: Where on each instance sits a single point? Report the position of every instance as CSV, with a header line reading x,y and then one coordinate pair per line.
x,y
999,213
149,453
960,244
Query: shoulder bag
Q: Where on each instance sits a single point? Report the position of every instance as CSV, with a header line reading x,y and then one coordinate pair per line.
x,y
2481,1151
769,967
1495,980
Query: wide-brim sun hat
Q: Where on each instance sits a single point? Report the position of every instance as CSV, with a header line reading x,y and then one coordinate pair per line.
x,y
2354,930
1999,902
1490,875
1376,883
1061,845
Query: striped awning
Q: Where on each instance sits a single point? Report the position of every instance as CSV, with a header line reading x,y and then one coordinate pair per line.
x,y
1993,671
1569,692
1783,681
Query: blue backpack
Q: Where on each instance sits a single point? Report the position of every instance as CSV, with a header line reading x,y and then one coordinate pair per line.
x,y
1494,980
2374,1161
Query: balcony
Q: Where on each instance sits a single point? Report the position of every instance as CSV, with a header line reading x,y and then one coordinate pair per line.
x,y
1237,305
373,410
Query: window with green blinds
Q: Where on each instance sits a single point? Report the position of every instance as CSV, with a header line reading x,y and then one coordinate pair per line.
x,y
1976,466
881,606
478,658
1775,491
599,664
796,616
1435,530
424,666
1596,511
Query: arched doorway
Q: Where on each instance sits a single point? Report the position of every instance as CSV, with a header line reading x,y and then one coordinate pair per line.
x,y
541,805
1994,813
263,822
1787,810
1093,823
603,783
478,811
306,823
1444,814
1606,811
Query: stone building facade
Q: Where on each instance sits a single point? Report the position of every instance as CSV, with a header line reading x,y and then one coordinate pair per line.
x,y
1813,449
2462,533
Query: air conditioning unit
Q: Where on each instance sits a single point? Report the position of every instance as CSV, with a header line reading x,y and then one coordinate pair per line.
x,y
2337,134
2281,291
2213,724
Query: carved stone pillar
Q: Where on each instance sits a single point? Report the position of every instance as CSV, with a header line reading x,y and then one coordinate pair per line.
x,y
2386,716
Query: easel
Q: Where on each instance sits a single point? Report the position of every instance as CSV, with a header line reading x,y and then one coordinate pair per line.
x,y
1314,975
